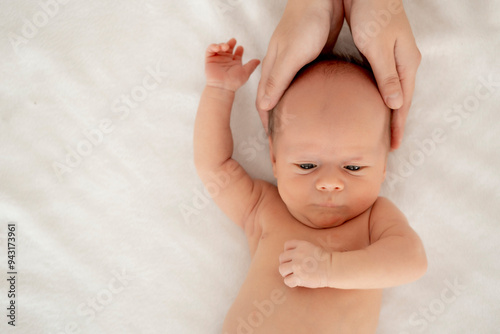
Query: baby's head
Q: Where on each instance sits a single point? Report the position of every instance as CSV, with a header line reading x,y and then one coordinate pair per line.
x,y
329,139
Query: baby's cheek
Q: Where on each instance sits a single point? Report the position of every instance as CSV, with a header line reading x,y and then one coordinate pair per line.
x,y
293,192
288,198
292,199
366,194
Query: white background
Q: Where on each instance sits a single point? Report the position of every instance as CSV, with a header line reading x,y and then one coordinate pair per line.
x,y
115,234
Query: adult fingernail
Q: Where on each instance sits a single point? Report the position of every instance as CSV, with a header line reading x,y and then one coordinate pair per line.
x,y
266,102
394,101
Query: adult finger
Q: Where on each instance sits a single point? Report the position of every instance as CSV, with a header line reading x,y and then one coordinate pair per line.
x,y
278,71
387,77
411,57
267,64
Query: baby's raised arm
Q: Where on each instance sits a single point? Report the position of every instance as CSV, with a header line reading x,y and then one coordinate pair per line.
x,y
228,183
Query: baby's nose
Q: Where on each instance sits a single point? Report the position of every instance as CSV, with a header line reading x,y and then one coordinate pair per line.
x,y
330,184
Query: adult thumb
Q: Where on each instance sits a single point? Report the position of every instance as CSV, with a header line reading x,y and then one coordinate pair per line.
x,y
276,76
388,81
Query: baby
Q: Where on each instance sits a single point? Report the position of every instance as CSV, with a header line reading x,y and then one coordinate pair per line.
x,y
323,243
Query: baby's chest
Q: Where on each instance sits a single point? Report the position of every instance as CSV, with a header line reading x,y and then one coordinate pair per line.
x,y
279,227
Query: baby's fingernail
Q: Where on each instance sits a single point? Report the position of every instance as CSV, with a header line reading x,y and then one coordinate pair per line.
x,y
266,102
394,101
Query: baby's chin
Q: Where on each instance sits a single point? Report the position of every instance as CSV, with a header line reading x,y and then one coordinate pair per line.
x,y
322,218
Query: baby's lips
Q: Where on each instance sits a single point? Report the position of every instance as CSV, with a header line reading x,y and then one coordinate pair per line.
x,y
328,204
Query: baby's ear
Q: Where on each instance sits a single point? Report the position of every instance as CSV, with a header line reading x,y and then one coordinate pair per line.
x,y
271,154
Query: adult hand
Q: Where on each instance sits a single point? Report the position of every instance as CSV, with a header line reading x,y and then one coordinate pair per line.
x,y
382,33
306,28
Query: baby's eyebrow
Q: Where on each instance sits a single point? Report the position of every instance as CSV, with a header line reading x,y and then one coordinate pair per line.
x,y
356,158
346,154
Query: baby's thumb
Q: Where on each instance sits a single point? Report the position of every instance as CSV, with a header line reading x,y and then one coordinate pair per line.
x,y
388,82
251,66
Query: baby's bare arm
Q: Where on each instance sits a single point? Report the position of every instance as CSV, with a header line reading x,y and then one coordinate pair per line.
x,y
396,255
230,186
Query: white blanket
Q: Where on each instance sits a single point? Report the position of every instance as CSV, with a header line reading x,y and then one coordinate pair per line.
x,y
113,232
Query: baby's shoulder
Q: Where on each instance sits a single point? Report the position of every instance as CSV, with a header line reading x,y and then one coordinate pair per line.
x,y
383,207
269,196
385,215
264,192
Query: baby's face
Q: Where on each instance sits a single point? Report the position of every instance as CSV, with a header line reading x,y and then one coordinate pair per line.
x,y
330,149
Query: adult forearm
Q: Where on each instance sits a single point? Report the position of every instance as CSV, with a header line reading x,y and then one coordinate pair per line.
x,y
388,262
213,142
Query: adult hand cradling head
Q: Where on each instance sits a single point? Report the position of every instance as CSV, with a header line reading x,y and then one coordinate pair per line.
x,y
381,32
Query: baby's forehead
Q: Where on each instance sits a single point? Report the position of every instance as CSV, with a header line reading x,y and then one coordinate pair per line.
x,y
333,83
334,71
334,95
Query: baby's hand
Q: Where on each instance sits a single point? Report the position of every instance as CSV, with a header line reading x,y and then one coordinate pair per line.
x,y
305,264
224,69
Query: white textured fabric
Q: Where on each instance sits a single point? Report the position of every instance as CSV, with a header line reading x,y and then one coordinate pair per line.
x,y
114,231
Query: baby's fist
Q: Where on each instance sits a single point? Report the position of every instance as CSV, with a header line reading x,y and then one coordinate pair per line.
x,y
224,69
305,264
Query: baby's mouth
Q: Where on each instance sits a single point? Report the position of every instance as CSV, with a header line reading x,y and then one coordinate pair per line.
x,y
329,204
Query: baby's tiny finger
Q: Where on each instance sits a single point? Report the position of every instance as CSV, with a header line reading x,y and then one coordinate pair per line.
x,y
238,53
291,244
285,269
292,281
213,48
285,257
231,43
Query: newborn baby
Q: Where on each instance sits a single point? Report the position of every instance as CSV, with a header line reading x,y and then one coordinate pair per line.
x,y
323,243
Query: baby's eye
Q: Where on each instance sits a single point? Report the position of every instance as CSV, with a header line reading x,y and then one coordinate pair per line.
x,y
352,168
307,166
